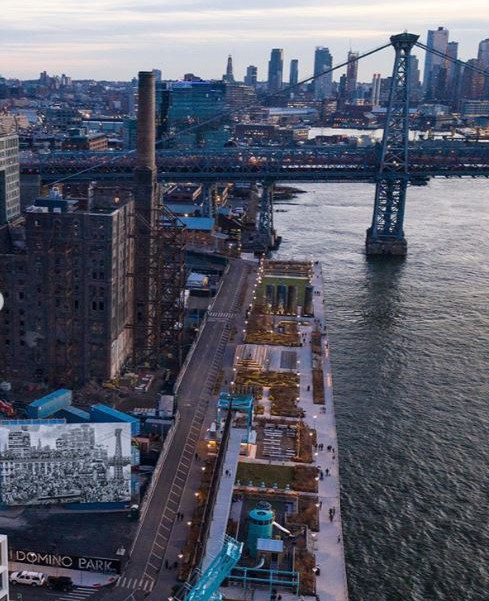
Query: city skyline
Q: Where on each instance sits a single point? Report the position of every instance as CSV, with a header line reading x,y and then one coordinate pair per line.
x,y
119,39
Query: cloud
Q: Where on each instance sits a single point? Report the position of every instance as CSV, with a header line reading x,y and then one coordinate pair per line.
x,y
170,31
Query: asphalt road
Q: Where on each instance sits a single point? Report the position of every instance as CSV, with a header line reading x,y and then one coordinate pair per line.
x,y
193,398
21,592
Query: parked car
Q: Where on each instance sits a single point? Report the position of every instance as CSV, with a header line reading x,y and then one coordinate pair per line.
x,y
60,583
31,578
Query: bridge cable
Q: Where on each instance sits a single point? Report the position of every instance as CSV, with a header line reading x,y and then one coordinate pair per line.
x,y
229,112
457,61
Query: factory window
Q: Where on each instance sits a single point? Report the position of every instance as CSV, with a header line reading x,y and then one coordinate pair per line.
x,y
101,306
76,304
94,305
21,295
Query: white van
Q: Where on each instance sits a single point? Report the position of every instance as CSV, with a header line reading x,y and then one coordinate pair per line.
x,y
32,578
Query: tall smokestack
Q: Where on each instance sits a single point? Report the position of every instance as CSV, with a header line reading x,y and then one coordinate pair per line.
x,y
146,121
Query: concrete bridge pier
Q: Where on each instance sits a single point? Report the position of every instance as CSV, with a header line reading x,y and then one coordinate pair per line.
x,y
395,247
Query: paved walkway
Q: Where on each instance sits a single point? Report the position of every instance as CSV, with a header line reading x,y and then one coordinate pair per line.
x,y
331,584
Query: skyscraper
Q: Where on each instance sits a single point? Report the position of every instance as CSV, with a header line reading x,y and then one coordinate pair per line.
x,y
9,178
376,89
453,74
251,76
323,83
414,79
472,81
294,72
157,73
229,77
351,76
275,70
434,64
483,58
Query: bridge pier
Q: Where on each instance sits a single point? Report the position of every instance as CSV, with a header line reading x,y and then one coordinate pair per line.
x,y
396,247
385,237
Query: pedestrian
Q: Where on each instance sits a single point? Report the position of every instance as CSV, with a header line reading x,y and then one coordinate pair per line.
x,y
175,564
196,455
321,474
327,471
330,517
308,387
339,539
334,510
320,505
334,457
166,564
316,447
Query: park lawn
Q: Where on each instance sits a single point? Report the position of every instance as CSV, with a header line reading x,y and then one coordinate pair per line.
x,y
270,474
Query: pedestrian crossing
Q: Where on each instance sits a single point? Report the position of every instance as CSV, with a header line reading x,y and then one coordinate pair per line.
x,y
221,314
143,584
79,593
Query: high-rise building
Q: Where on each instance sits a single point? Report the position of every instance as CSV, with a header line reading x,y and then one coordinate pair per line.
x,y
376,89
251,76
472,81
453,78
275,70
9,178
229,77
323,84
434,64
294,72
157,74
483,58
414,78
351,76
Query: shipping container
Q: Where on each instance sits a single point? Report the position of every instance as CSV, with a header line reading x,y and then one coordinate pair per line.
x,y
73,415
103,414
49,404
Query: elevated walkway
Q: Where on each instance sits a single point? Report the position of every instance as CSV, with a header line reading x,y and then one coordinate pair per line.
x,y
222,507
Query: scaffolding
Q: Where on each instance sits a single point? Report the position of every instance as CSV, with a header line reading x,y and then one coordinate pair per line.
x,y
159,286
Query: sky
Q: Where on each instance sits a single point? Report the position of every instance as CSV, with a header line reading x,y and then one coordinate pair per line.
x,y
114,39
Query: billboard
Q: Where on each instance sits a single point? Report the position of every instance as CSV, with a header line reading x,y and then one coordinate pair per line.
x,y
65,463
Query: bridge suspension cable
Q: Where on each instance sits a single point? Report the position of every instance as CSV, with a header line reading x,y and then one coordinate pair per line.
x,y
457,61
229,112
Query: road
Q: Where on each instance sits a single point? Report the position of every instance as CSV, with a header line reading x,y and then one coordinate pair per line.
x,y
146,561
20,592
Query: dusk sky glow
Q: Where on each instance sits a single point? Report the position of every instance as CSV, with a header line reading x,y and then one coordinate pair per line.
x,y
113,39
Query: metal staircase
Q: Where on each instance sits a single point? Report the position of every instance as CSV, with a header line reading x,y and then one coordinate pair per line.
x,y
206,584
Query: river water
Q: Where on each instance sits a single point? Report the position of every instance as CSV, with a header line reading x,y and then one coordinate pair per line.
x,y
410,352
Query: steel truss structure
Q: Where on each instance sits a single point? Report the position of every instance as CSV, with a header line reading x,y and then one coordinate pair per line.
x,y
386,234
159,281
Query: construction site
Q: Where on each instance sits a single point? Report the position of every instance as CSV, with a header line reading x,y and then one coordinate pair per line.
x,y
96,274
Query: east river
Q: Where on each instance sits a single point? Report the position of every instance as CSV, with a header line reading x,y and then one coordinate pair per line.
x,y
410,351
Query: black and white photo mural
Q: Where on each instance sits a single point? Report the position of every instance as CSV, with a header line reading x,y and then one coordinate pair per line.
x,y
65,463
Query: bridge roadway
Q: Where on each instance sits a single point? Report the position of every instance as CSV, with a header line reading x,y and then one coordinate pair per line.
x,y
143,571
307,163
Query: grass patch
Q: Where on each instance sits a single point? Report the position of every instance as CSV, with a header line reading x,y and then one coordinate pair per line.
x,y
270,474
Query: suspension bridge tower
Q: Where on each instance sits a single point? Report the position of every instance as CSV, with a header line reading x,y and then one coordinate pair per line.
x,y
386,234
